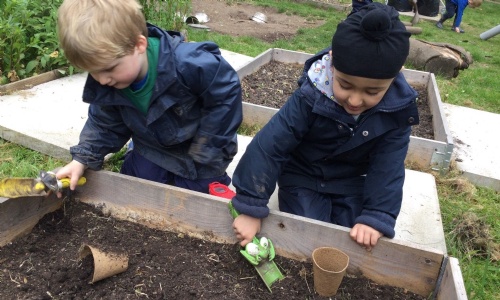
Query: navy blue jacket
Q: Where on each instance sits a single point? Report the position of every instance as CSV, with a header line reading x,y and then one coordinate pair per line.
x,y
313,142
190,127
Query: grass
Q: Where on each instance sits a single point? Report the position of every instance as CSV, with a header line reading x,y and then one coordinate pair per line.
x,y
18,161
470,214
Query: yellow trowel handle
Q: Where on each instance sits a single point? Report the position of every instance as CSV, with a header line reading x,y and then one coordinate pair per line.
x,y
61,184
66,181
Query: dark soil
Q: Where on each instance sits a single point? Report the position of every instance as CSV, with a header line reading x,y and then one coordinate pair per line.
x,y
274,82
162,265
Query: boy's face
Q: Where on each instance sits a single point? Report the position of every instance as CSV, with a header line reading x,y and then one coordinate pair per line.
x,y
123,71
357,94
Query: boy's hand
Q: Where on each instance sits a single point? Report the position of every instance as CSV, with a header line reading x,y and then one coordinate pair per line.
x,y
74,170
245,228
366,236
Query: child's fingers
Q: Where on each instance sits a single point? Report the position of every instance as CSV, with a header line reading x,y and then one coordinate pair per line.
x,y
244,242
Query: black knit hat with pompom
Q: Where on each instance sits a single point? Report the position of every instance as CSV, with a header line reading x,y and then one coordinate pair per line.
x,y
371,43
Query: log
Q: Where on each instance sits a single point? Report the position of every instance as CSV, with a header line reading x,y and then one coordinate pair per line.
x,y
414,30
438,58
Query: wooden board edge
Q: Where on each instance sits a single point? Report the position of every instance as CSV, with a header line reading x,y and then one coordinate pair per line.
x,y
30,82
257,115
273,54
255,64
35,144
442,132
18,216
426,153
452,285
416,77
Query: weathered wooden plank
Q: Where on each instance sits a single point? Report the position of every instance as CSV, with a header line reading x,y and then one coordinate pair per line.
x,y
30,82
416,77
19,216
161,206
36,144
257,115
452,284
420,151
441,130
273,54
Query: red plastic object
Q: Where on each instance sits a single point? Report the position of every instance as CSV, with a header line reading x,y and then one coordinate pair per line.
x,y
221,190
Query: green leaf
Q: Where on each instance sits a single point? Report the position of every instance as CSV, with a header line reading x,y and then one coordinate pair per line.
x,y
31,65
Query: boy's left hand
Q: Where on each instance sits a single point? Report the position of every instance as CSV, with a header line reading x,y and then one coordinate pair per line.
x,y
366,236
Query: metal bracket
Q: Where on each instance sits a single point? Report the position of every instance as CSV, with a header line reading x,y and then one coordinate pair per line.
x,y
440,160
444,263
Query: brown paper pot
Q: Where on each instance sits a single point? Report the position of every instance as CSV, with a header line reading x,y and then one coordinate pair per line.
x,y
106,264
329,268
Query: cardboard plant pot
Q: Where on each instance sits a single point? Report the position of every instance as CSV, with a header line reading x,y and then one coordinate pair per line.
x,y
106,264
329,268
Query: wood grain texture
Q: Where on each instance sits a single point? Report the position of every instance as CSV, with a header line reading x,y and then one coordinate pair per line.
x,y
30,82
18,216
36,144
452,285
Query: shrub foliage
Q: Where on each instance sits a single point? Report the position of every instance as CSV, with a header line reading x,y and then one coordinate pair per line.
x,y
28,34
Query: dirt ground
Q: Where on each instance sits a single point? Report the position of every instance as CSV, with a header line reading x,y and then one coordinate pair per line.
x,y
274,82
236,20
162,265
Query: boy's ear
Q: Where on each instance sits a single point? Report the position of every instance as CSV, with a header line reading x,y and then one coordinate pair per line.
x,y
141,44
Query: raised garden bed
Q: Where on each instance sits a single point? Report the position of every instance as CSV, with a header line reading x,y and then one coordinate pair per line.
x,y
424,152
161,265
162,207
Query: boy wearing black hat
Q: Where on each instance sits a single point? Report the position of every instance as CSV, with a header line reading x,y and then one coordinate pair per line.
x,y
337,147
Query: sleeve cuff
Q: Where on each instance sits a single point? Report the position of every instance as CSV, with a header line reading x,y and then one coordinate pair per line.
x,y
381,221
250,206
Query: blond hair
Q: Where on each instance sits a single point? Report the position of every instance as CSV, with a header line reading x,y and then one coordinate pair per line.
x,y
475,3
93,33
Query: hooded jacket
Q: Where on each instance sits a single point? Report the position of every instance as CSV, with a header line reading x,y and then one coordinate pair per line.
x,y
312,142
190,126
